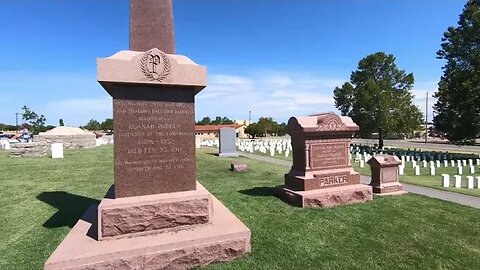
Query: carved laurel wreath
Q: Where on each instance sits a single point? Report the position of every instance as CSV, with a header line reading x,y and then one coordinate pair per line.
x,y
150,75
332,125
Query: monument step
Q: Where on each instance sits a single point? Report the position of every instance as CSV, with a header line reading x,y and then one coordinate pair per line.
x,y
224,239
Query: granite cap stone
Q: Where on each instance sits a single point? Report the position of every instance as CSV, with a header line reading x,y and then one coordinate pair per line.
x,y
326,123
384,161
153,67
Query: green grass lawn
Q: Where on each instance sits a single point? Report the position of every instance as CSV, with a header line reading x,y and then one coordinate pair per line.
x,y
42,198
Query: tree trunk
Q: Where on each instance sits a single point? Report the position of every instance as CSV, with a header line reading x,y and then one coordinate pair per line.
x,y
380,138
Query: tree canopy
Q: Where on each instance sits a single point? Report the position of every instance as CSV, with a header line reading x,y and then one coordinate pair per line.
x,y
217,121
264,126
457,111
378,98
35,121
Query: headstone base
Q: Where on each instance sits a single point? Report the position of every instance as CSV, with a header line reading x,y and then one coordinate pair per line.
x,y
388,188
228,155
126,217
328,197
223,239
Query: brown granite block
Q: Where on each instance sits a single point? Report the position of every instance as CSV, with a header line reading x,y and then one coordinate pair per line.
x,y
384,175
153,213
326,198
151,25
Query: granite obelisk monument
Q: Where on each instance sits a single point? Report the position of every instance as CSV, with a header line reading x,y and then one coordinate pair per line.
x,y
156,216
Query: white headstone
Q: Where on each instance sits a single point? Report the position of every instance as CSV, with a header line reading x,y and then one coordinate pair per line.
x,y
445,180
470,182
437,163
478,181
417,170
432,170
464,162
362,163
401,170
472,169
470,162
478,162
452,163
460,170
424,163
458,181
57,150
414,164
6,145
445,163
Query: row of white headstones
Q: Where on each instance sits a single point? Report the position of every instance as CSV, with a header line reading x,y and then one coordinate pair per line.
x,y
271,146
459,164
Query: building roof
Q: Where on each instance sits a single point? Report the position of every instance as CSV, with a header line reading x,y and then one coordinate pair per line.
x,y
214,128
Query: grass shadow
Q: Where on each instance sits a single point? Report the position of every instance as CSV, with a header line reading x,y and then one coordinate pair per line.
x,y
259,191
70,207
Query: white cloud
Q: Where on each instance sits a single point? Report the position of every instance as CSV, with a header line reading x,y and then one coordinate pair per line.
x,y
275,94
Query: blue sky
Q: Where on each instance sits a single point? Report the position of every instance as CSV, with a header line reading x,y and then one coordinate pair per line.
x,y
272,57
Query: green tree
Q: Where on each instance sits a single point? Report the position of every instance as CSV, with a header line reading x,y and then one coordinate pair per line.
x,y
254,130
93,125
107,125
378,98
221,121
205,121
35,121
60,122
457,111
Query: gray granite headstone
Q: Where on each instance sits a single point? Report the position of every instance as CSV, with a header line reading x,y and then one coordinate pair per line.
x,y
227,146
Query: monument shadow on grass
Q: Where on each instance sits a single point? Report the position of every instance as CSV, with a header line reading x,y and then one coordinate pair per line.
x,y
70,207
259,191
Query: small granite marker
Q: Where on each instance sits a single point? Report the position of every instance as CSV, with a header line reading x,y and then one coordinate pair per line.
x,y
385,171
226,147
321,174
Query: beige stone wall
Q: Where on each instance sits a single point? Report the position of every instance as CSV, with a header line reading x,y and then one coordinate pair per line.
x,y
69,141
32,149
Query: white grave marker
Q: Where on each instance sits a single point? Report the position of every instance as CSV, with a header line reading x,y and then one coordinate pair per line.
x,y
445,180
57,150
458,181
470,182
417,170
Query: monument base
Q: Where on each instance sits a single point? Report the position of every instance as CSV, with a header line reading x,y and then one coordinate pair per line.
x,y
125,217
328,197
222,239
394,188
228,155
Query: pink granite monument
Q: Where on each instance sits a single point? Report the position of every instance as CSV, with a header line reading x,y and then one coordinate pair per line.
x,y
321,174
156,216
384,170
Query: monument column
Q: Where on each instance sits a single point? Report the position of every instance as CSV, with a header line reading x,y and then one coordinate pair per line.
x,y
157,216
151,25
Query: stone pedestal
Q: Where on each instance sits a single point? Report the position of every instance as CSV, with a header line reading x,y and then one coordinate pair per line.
x,y
177,240
385,174
321,174
156,216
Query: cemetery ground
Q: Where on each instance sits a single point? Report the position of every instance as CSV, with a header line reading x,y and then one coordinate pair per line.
x,y
43,198
424,179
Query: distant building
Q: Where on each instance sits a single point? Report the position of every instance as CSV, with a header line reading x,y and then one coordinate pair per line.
x,y
211,131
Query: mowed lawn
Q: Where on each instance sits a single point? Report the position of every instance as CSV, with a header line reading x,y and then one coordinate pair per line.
x,y
42,198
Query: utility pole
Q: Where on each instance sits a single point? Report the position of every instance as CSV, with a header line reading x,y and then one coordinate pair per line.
x,y
249,117
426,118
16,119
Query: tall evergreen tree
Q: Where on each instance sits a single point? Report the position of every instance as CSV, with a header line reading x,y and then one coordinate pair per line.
x,y
378,98
457,111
